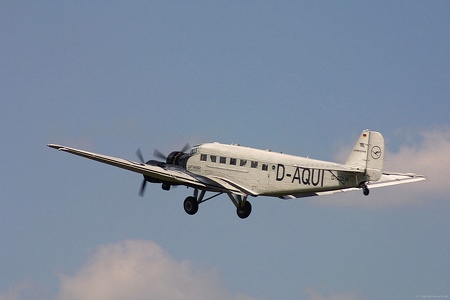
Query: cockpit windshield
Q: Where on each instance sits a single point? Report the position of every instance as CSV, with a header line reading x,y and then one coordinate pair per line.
x,y
194,150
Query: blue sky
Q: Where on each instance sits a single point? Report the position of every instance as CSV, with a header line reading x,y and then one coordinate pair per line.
x,y
303,78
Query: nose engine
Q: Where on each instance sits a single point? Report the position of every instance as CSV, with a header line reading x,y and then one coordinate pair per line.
x,y
177,158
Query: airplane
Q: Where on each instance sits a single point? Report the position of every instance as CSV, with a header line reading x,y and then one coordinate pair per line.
x,y
240,172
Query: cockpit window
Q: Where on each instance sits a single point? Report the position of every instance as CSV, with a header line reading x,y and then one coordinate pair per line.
x,y
194,150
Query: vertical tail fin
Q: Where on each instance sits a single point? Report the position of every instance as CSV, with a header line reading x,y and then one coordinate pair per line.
x,y
368,154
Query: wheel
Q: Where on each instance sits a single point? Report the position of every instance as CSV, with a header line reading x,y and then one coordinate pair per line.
x,y
364,188
244,211
190,205
366,191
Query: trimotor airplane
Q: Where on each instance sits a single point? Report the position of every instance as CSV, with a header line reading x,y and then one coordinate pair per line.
x,y
241,172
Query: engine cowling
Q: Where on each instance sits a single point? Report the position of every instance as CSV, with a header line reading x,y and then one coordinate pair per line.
x,y
178,158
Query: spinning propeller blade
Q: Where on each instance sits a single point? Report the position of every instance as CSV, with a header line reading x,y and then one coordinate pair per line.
x,y
144,182
142,190
159,154
139,155
185,148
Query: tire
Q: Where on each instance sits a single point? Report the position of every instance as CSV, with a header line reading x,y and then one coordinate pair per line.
x,y
244,212
190,205
366,191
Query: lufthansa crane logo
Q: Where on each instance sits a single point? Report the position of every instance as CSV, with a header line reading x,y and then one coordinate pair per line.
x,y
376,152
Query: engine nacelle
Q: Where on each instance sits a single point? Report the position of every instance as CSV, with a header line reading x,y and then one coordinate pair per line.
x,y
178,158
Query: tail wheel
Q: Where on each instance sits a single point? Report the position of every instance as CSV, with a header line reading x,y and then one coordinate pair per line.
x,y
245,210
190,205
365,189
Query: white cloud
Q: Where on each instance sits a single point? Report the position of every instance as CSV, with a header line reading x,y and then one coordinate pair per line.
x,y
23,290
138,269
429,156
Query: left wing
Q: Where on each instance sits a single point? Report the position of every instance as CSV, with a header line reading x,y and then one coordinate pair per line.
x,y
162,172
387,179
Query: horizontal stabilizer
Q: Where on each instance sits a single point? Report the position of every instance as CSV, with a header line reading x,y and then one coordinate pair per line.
x,y
387,179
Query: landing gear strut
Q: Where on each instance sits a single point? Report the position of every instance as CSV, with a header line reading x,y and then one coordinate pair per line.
x,y
191,203
243,207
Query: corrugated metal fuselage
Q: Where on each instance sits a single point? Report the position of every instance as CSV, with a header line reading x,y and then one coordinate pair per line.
x,y
269,173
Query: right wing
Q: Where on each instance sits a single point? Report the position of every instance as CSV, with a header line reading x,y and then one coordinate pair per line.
x,y
162,172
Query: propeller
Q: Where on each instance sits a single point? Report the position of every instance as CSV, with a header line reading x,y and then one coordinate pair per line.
x,y
144,182
142,190
185,148
160,155
139,155
157,154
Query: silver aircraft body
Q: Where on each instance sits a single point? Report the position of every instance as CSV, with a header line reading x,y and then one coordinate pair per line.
x,y
240,172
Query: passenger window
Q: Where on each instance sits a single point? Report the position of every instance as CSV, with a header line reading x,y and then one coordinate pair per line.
x,y
254,164
265,167
243,162
213,158
223,160
203,157
233,161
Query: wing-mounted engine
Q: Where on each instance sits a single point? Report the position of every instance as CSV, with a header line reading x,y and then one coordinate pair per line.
x,y
175,161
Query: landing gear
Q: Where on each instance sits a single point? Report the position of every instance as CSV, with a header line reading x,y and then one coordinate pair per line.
x,y
190,205
243,207
365,189
244,210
